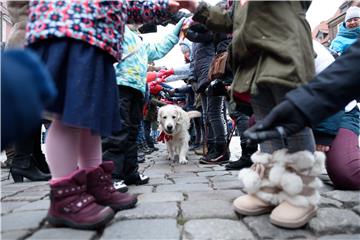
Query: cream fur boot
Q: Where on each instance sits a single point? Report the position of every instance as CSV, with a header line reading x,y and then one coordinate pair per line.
x,y
296,175
262,194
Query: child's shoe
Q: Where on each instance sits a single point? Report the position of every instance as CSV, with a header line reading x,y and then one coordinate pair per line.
x,y
72,206
101,187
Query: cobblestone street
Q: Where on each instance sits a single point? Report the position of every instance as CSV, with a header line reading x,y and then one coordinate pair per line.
x,y
181,202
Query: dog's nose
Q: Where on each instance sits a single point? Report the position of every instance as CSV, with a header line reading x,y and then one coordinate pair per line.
x,y
169,127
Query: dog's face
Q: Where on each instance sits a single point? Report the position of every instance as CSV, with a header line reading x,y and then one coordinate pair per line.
x,y
169,117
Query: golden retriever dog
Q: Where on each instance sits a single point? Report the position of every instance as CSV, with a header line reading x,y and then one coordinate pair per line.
x,y
174,124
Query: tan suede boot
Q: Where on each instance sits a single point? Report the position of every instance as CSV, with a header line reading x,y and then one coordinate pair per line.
x,y
262,193
296,174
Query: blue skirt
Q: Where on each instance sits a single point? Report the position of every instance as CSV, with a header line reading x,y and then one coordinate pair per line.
x,y
85,79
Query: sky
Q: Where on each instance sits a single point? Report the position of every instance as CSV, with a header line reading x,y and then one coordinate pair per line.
x,y
319,10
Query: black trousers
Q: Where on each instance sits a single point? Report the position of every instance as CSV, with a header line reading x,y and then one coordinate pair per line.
x,y
121,147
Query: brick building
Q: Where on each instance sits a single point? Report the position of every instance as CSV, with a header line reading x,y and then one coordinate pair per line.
x,y
326,31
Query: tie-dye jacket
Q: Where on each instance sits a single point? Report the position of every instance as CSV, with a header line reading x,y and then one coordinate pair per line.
x,y
131,72
97,22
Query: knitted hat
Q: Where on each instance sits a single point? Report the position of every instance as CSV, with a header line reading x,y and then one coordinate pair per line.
x,y
352,12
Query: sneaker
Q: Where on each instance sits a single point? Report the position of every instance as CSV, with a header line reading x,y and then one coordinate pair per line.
x,y
137,179
141,158
120,185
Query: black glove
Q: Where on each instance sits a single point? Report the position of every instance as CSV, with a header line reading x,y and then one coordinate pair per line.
x,y
284,120
216,88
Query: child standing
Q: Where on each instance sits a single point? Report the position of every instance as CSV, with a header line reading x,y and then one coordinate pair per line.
x,y
79,41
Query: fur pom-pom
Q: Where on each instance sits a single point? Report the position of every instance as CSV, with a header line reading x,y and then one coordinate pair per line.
x,y
268,197
319,164
302,160
280,156
276,173
260,157
316,184
291,183
250,180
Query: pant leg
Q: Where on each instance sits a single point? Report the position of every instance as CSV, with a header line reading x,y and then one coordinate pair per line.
x,y
216,118
268,96
343,160
117,144
147,128
208,133
131,164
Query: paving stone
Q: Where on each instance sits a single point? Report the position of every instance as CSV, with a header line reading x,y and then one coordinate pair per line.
x,y
190,180
213,173
328,202
227,185
208,209
347,197
159,181
341,237
14,235
224,178
150,210
357,209
22,220
184,175
183,187
143,229
216,229
140,189
332,220
225,195
161,197
10,206
62,233
33,206
265,230
27,196
188,168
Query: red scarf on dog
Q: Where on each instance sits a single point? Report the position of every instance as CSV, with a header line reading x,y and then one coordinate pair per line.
x,y
163,137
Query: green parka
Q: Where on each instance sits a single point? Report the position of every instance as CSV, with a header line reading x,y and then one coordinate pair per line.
x,y
271,42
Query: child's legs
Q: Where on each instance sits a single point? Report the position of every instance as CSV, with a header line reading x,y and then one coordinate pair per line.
x,y
268,97
62,149
343,160
90,150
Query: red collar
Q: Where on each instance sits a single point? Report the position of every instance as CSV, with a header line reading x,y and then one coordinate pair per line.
x,y
163,137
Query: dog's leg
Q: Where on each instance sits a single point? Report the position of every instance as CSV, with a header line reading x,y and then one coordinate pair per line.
x,y
183,151
170,149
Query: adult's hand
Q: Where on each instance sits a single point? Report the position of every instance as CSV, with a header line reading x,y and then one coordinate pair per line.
x,y
190,5
284,120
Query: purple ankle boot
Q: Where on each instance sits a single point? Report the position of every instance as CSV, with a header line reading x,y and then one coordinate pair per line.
x,y
101,187
72,206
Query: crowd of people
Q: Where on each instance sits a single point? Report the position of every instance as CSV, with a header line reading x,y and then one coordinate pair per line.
x,y
88,76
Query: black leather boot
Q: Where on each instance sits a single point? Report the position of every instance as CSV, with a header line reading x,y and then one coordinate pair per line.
x,y
245,159
24,166
221,155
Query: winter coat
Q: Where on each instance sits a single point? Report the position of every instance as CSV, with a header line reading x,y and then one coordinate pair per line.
x,y
203,55
271,42
18,12
327,93
99,23
131,72
344,38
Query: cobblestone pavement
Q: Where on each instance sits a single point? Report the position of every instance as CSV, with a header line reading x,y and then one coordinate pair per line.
x,y
180,202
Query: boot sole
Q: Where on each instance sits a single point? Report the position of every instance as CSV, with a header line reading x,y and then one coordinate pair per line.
x,y
256,212
60,222
213,163
301,222
123,207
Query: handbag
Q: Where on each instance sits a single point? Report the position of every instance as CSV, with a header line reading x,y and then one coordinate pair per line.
x,y
218,66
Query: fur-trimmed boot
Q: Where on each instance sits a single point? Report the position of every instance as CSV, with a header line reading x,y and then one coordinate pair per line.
x,y
262,194
101,187
72,206
296,174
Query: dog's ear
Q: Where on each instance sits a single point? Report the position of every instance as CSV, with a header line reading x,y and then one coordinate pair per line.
x,y
159,115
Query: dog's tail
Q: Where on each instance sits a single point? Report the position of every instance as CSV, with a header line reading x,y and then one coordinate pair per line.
x,y
194,114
